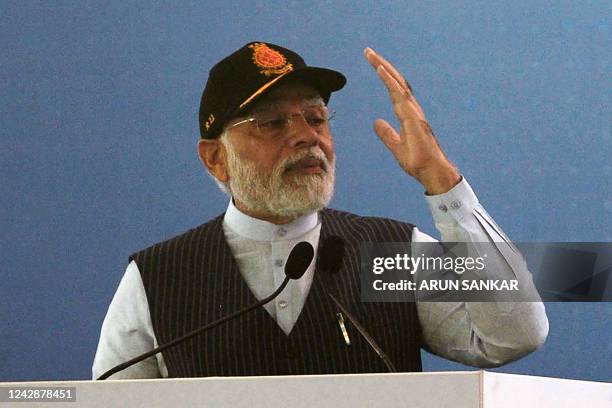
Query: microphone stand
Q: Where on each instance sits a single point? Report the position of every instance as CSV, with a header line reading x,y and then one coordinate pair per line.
x,y
193,333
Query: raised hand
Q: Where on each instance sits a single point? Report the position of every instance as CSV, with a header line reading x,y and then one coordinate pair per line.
x,y
415,146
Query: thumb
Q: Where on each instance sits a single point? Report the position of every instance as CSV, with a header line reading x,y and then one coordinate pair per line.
x,y
387,134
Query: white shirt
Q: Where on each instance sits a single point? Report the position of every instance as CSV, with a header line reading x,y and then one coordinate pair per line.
x,y
474,333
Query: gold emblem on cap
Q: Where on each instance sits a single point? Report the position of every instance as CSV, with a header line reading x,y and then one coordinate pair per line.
x,y
209,121
270,62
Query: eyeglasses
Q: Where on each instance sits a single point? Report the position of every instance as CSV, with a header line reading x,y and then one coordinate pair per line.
x,y
275,123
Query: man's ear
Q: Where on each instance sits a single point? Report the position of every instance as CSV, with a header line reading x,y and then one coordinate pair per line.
x,y
213,155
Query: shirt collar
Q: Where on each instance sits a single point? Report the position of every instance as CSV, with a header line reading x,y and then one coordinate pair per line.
x,y
260,230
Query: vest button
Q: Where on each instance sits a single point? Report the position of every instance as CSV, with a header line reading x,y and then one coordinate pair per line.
x,y
283,304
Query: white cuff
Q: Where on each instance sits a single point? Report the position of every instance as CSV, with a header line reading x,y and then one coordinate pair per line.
x,y
454,205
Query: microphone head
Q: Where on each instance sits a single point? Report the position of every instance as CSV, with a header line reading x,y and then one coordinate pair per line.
x,y
331,252
300,257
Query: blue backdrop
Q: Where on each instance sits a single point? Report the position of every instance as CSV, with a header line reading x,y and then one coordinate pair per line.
x,y
99,130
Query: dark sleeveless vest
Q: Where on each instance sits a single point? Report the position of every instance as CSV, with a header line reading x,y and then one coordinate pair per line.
x,y
193,279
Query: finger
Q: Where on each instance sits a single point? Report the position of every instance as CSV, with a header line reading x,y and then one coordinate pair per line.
x,y
406,109
393,86
399,95
387,134
377,60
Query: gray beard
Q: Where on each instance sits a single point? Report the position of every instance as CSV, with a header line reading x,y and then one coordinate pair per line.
x,y
274,194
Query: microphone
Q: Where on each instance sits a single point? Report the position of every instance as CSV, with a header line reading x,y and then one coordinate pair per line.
x,y
330,256
300,257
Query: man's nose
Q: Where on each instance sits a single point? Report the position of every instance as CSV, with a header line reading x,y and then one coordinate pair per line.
x,y
301,133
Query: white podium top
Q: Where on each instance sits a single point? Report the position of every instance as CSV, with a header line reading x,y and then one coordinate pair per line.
x,y
474,389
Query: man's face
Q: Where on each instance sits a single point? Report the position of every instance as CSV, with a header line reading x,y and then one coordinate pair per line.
x,y
281,174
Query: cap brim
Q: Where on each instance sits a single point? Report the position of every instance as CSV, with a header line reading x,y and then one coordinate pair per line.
x,y
323,80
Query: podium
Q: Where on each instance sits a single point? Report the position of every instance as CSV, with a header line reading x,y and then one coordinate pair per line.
x,y
472,389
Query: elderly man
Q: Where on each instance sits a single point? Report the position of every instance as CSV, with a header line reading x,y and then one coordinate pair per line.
x,y
265,139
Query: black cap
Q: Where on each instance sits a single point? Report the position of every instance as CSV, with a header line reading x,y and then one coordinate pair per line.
x,y
240,79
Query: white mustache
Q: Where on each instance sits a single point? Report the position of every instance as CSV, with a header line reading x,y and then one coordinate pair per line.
x,y
312,153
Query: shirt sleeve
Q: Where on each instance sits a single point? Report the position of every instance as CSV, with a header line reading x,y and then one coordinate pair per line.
x,y
127,332
481,334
